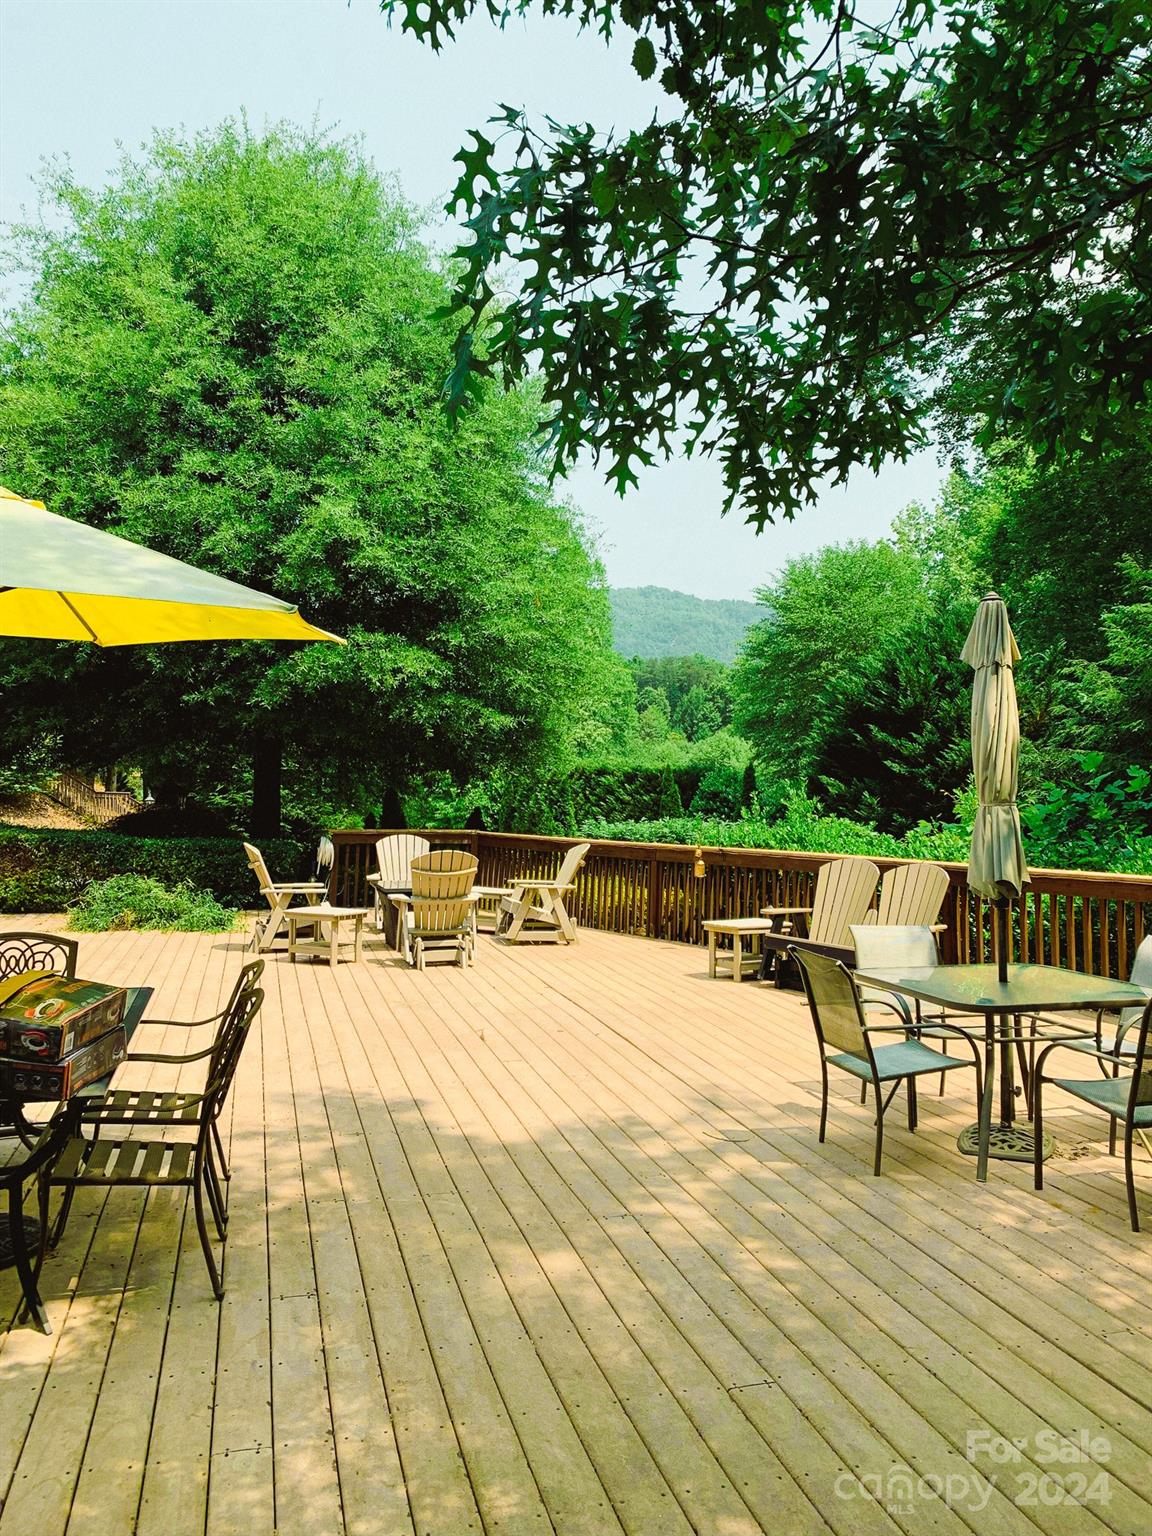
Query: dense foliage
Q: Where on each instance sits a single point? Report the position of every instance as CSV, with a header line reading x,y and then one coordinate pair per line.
x,y
138,901
824,190
657,622
230,353
45,870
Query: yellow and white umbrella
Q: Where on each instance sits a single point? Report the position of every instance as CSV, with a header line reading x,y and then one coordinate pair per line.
x,y
64,580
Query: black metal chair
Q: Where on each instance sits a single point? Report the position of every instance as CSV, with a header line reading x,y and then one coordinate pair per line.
x,y
1126,1100
21,1244
21,953
843,1030
146,1153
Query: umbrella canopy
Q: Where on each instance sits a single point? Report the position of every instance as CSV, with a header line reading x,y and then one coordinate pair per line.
x,y
996,867
63,580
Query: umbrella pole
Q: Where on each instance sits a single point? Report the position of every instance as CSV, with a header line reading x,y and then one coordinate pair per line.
x,y
1002,940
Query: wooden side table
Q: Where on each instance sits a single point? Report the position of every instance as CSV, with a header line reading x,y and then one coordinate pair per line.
x,y
317,918
736,928
488,898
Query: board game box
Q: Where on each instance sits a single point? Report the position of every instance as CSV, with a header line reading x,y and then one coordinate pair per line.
x,y
51,1017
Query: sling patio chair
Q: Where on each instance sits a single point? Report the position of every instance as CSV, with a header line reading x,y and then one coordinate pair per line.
x,y
394,855
440,914
148,1146
843,894
845,1039
278,895
536,908
1127,1100
24,955
900,946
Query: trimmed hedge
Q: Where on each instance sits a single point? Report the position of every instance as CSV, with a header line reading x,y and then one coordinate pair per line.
x,y
46,870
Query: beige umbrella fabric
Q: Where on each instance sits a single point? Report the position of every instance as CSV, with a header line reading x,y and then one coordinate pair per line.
x,y
996,867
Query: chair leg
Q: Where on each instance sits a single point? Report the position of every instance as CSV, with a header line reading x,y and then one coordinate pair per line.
x,y
215,1196
202,1228
823,1097
879,1132
913,1119
1038,1132
224,1168
32,1306
1129,1180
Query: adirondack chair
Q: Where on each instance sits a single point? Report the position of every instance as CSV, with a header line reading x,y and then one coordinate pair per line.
x,y
440,913
536,907
843,894
279,898
911,896
394,857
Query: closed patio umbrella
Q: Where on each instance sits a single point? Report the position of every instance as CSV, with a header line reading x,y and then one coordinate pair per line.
x,y
996,867
64,580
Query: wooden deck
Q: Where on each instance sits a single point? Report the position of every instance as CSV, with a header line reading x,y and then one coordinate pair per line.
x,y
551,1245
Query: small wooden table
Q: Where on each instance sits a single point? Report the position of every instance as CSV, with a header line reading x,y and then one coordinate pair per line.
x,y
488,898
317,917
736,928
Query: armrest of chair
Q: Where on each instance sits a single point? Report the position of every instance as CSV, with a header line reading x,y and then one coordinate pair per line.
x,y
785,911
181,1023
162,1056
299,887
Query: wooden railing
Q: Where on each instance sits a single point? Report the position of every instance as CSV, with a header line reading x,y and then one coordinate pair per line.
x,y
98,805
1086,921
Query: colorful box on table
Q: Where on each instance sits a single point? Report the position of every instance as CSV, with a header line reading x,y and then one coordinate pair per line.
x,y
58,1034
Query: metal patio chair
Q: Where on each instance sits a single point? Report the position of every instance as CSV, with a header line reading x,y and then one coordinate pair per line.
x,y
23,953
895,946
21,1236
1127,1101
150,1150
845,1038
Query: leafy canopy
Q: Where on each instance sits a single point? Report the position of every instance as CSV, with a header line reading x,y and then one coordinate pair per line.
x,y
228,354
830,190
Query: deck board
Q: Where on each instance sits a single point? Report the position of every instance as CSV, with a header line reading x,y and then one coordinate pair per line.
x,y
549,1245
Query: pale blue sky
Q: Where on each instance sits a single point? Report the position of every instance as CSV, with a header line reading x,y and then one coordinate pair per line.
x,y
80,77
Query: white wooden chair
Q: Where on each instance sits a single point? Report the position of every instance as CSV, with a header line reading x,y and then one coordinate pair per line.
x,y
394,857
440,913
911,896
843,894
537,907
279,897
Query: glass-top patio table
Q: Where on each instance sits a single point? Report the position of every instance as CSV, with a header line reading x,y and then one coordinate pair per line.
x,y
1029,989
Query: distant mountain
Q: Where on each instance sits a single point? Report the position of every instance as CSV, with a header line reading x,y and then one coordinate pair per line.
x,y
655,621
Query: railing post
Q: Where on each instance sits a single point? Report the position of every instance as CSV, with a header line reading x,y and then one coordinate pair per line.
x,y
654,925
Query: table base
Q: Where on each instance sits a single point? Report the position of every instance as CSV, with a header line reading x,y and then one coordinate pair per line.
x,y
1010,1143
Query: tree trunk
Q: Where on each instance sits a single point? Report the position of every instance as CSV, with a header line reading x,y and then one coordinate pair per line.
x,y
266,772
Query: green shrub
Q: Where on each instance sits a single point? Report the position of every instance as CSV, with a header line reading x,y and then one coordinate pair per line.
x,y
47,870
138,901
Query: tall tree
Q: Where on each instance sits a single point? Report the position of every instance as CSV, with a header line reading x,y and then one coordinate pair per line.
x,y
830,615
757,270
229,353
